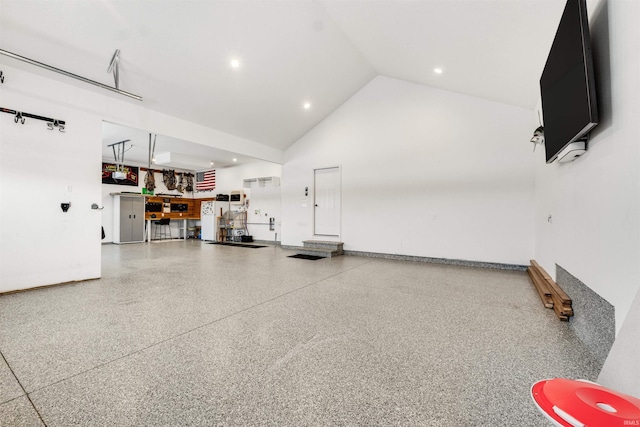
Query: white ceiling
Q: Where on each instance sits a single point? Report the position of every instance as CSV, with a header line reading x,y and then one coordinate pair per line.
x,y
184,154
176,54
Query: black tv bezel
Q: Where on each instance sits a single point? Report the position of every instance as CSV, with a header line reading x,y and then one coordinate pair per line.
x,y
591,121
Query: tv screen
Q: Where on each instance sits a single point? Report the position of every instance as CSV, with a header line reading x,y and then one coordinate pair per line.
x,y
567,85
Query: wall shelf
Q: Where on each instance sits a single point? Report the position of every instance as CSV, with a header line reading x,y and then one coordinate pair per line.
x,y
269,181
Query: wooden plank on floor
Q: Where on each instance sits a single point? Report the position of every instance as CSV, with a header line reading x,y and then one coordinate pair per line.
x,y
561,301
559,313
565,309
553,286
540,286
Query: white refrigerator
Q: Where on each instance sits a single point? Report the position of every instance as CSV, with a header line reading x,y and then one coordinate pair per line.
x,y
208,221
209,212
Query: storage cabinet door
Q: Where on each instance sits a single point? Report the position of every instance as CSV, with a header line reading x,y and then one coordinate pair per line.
x,y
125,219
137,219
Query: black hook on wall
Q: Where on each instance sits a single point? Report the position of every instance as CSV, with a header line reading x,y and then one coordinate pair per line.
x,y
56,123
20,118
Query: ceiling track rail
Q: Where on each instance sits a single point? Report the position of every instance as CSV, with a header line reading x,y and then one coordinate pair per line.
x,y
68,74
21,117
118,153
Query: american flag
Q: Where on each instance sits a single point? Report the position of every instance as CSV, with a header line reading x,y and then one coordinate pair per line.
x,y
206,181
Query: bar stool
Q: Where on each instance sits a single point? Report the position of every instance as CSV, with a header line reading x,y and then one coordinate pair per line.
x,y
162,229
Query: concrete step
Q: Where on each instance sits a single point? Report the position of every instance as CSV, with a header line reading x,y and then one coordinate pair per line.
x,y
322,244
322,252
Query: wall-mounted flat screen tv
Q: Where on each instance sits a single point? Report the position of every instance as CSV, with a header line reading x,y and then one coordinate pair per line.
x,y
567,84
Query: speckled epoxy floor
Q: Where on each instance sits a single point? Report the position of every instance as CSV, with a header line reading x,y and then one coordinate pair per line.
x,y
185,333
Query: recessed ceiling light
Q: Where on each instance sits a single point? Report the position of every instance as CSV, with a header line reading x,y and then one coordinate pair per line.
x,y
306,105
235,63
235,160
437,70
211,163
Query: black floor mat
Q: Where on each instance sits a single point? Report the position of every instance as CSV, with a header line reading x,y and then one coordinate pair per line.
x,y
309,257
241,245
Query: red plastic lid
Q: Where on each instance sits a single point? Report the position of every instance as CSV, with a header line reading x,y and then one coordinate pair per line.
x,y
570,403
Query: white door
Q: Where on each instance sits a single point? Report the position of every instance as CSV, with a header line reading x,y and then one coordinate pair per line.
x,y
327,202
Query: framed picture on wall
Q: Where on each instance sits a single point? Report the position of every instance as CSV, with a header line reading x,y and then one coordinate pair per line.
x,y
130,176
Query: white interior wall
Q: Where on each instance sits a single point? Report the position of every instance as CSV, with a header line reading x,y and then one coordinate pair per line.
x,y
265,203
594,201
67,247
621,370
231,178
267,200
39,169
425,172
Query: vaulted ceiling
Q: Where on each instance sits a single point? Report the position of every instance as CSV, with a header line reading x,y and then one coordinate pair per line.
x,y
177,54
